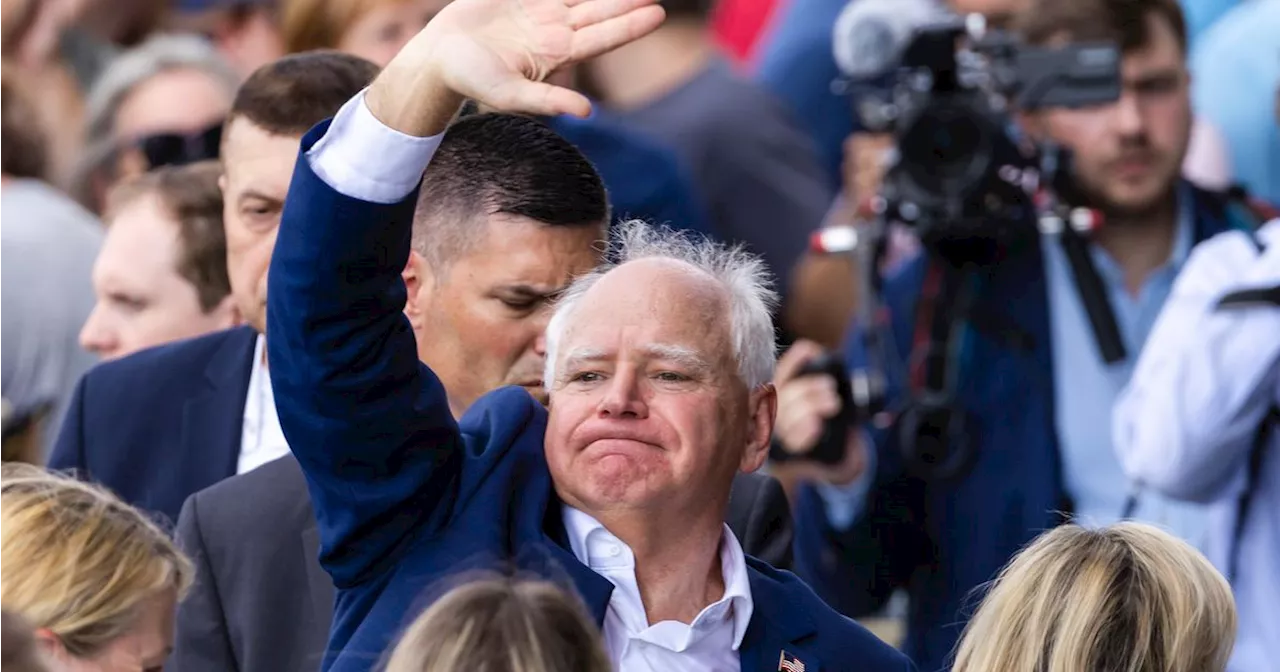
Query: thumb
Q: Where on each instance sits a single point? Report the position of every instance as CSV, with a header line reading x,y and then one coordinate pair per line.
x,y
521,95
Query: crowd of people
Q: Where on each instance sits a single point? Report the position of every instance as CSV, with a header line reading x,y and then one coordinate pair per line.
x,y
488,334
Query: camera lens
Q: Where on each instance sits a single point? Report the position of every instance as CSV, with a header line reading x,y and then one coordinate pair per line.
x,y
945,150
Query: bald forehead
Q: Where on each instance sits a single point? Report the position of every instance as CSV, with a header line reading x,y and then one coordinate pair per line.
x,y
659,280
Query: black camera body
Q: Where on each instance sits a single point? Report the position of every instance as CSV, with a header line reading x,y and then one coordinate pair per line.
x,y
962,175
971,186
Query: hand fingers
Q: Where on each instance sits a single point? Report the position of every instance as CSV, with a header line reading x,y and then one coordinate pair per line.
x,y
520,95
590,12
597,38
809,396
795,357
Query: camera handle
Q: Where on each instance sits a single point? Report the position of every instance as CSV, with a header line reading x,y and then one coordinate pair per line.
x,y
933,428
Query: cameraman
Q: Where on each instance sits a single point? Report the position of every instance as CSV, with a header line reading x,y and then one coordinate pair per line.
x,y
1036,406
1199,420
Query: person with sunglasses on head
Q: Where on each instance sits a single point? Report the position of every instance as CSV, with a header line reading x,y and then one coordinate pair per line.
x,y
160,104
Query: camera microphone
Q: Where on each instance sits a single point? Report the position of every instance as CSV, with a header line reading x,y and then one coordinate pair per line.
x,y
870,35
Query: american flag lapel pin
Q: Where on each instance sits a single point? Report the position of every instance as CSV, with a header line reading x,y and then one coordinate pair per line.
x,y
789,663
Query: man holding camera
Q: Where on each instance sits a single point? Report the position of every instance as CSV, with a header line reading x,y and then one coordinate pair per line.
x,y
1033,394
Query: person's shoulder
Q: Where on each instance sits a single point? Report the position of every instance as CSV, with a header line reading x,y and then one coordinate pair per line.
x,y
177,362
837,638
258,500
503,417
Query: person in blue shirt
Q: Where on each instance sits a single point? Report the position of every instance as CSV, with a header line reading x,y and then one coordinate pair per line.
x,y
1037,406
645,180
1235,70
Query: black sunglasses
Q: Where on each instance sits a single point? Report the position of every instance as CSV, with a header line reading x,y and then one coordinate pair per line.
x,y
173,149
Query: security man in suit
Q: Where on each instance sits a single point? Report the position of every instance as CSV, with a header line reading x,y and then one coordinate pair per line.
x,y
657,377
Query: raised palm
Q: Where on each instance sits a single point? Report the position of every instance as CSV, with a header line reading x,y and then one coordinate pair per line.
x,y
499,51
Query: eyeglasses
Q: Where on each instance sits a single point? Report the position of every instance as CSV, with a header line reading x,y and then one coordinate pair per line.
x,y
173,149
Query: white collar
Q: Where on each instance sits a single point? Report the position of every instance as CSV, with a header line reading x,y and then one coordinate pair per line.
x,y
598,548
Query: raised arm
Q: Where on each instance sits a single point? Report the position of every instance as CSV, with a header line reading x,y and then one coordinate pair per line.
x,y
369,424
1206,377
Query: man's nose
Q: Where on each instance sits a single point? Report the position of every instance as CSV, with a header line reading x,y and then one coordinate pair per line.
x,y
1128,114
623,397
95,336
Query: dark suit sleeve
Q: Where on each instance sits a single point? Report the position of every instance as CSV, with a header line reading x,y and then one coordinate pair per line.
x,y
369,424
766,530
856,569
201,641
68,450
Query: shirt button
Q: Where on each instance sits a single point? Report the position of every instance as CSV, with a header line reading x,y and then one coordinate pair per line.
x,y
614,551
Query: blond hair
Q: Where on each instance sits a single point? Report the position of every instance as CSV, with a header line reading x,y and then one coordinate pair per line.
x,y
1125,598
502,625
78,561
307,25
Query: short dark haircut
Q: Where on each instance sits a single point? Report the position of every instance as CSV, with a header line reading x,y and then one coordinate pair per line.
x,y
26,152
290,95
192,197
689,9
495,163
1121,21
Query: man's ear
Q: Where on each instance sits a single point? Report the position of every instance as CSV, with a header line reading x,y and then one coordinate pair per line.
x,y
762,408
419,283
50,644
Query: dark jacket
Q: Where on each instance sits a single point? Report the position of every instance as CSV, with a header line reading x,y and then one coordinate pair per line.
x,y
406,497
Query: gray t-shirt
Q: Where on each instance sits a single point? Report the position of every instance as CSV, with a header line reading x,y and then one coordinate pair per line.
x,y
48,244
757,172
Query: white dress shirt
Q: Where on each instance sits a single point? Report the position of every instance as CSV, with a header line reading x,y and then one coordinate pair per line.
x,y
710,642
261,439
361,157
1187,422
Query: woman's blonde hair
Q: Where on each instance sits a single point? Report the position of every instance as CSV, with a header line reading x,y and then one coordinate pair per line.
x,y
1125,598
502,625
77,560
307,25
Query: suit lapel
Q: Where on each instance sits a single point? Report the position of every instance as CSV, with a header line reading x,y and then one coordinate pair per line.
x,y
777,626
212,421
556,560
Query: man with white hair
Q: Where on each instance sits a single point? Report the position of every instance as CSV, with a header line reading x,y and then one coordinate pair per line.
x,y
659,393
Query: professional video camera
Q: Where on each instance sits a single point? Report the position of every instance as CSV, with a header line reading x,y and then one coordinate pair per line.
x,y
970,186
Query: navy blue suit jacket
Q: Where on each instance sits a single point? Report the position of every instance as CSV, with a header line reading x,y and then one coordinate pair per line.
x,y
163,423
405,497
941,541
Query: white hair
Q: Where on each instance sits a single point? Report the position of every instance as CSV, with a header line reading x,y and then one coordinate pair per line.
x,y
744,276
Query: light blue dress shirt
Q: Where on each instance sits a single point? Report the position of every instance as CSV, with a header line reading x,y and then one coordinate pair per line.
x,y
1086,388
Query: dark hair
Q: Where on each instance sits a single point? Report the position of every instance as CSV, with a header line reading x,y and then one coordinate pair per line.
x,y
502,164
1124,21
191,195
21,131
689,9
290,95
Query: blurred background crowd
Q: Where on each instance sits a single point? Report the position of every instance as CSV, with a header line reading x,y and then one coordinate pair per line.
x,y
147,149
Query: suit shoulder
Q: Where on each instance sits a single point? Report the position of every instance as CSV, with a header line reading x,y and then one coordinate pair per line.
x,y
174,359
838,637
263,494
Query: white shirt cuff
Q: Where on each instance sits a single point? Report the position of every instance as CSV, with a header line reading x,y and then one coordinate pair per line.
x,y
844,504
362,158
